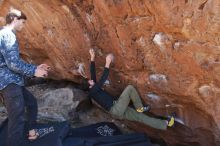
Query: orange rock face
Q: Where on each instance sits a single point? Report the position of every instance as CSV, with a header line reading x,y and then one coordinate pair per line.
x,y
170,50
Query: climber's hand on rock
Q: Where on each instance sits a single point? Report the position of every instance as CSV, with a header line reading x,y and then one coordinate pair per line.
x,y
92,54
109,59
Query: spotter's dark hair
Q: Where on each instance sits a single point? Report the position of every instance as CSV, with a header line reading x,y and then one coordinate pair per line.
x,y
11,16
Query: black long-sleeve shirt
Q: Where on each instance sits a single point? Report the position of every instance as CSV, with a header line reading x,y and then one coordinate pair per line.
x,y
102,97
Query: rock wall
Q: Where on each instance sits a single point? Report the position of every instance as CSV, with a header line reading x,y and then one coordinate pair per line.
x,y
170,50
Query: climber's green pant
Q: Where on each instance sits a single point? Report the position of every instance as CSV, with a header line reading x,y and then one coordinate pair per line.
x,y
121,110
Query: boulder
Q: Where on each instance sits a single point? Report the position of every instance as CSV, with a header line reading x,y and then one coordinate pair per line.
x,y
177,39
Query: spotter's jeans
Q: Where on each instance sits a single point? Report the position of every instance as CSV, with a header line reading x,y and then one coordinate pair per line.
x,y
17,100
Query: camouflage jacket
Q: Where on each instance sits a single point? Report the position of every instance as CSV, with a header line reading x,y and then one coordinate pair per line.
x,y
12,67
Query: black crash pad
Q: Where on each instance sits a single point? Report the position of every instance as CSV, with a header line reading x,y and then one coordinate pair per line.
x,y
61,134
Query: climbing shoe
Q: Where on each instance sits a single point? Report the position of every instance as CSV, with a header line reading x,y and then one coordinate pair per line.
x,y
171,121
143,109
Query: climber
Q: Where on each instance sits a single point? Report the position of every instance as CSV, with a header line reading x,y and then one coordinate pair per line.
x,y
119,108
12,72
